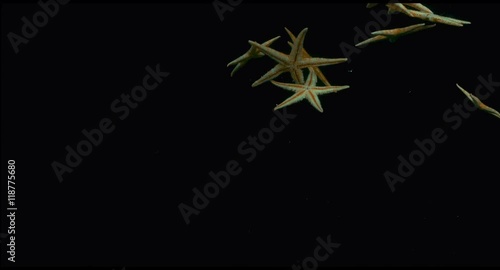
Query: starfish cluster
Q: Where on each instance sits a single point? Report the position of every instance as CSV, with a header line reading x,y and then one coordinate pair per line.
x,y
299,59
293,63
414,10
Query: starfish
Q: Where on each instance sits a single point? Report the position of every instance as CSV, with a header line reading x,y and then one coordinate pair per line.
x,y
253,52
393,34
307,55
479,103
308,90
294,62
417,10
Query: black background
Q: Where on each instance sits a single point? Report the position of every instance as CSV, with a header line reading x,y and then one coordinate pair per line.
x,y
322,175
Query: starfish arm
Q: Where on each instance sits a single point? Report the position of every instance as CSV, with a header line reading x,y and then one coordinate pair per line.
x,y
274,54
479,103
271,41
291,100
438,19
291,35
293,38
321,76
321,90
450,19
271,74
312,79
298,86
467,94
398,7
371,40
397,31
316,62
290,86
318,72
491,111
443,20
314,100
238,67
251,53
242,58
495,113
298,46
419,7
427,26
305,54
297,75
268,43
456,20
484,107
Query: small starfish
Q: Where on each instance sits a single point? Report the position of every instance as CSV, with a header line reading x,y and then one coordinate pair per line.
x,y
307,55
371,40
252,53
294,62
479,103
393,34
309,90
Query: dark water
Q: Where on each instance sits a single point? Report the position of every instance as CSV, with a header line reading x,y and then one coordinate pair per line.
x,y
317,175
